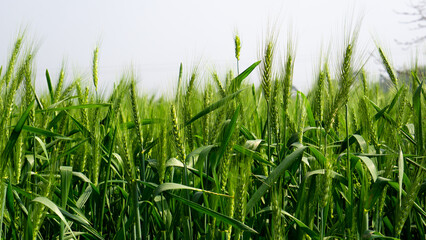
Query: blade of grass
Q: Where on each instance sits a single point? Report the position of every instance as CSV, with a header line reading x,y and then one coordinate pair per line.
x,y
66,176
49,86
228,134
175,186
52,206
236,82
418,119
11,209
213,107
14,136
400,174
43,132
215,214
81,106
274,175
108,174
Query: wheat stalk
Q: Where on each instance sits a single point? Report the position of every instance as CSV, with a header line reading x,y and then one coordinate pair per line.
x,y
176,134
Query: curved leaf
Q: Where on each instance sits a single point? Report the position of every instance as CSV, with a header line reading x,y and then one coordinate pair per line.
x,y
175,186
52,206
274,175
14,135
213,107
236,82
368,163
212,213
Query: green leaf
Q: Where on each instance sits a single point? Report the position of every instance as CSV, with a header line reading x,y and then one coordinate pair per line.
x,y
81,106
108,174
236,82
84,197
130,125
361,142
82,129
227,134
49,86
173,162
233,222
11,208
58,118
60,102
309,114
205,210
303,226
14,136
303,191
274,175
28,232
42,132
395,99
400,174
43,146
418,119
81,176
52,206
312,234
368,163
249,135
176,186
66,176
318,155
352,139
375,192
381,113
213,107
252,154
73,148
376,235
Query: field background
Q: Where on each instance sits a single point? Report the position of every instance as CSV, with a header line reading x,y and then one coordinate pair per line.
x,y
269,122
224,159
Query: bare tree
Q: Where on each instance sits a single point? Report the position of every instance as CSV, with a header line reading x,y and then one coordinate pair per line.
x,y
417,19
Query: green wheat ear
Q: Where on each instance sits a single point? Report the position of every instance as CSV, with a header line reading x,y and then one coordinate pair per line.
x,y
12,61
237,47
266,68
179,85
219,84
389,68
59,85
95,67
237,42
319,97
176,134
364,81
206,121
288,79
345,83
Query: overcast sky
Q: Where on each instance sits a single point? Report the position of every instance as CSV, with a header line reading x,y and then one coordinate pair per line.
x,y
153,37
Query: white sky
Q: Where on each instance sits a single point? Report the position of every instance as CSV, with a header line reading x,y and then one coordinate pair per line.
x,y
153,37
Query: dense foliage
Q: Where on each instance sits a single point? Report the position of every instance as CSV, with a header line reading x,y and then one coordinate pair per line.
x,y
224,160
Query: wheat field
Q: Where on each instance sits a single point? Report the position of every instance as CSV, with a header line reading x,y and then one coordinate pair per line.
x,y
220,159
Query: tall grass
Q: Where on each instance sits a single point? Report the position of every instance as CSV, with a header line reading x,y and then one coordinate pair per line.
x,y
223,161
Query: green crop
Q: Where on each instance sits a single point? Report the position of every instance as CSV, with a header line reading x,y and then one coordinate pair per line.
x,y
222,159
